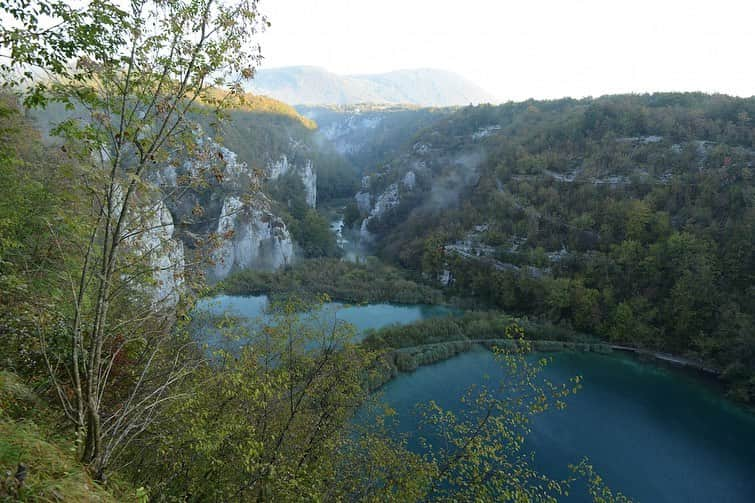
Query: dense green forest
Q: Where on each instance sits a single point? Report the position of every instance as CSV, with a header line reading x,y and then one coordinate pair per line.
x,y
371,281
631,217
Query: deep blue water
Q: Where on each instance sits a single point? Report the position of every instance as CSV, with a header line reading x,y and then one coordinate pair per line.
x,y
656,434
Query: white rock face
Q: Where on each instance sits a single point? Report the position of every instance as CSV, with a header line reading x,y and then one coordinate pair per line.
x,y
209,158
153,239
336,227
353,122
278,168
211,154
410,180
386,201
344,135
444,277
640,139
250,238
250,235
309,179
168,263
233,167
485,131
565,178
364,201
421,148
282,166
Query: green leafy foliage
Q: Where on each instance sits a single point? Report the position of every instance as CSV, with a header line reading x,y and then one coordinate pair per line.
x,y
47,35
370,281
280,420
263,423
468,327
313,235
631,217
38,206
141,76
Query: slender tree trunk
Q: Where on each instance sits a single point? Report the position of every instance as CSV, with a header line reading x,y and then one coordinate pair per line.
x,y
93,448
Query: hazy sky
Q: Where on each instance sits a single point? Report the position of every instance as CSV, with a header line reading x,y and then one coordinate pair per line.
x,y
529,48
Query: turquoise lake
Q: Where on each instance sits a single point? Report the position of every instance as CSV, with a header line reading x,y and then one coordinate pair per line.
x,y
656,434
362,317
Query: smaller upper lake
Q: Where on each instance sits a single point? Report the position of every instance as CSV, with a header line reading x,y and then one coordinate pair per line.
x,y
362,316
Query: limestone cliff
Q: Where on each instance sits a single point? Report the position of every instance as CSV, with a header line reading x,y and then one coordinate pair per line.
x,y
222,212
149,234
305,171
250,238
434,173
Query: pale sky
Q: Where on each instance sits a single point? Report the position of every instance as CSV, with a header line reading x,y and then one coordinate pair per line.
x,y
526,48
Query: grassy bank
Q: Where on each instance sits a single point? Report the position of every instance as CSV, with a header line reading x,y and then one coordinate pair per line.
x,y
32,441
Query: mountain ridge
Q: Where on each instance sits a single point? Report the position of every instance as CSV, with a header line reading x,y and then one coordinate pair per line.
x,y
312,85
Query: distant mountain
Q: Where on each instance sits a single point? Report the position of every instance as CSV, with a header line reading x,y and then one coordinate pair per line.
x,y
309,85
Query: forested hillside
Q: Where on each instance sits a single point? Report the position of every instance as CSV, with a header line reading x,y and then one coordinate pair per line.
x,y
265,423
632,217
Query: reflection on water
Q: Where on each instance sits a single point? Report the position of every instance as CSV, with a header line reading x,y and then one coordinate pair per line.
x,y
251,314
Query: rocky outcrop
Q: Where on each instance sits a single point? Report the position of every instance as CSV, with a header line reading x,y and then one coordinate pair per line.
x,y
486,131
445,277
168,262
386,201
309,179
224,216
153,238
427,177
250,238
389,199
305,171
348,136
410,180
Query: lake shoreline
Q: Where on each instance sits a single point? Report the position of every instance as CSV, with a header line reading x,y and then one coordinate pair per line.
x,y
408,359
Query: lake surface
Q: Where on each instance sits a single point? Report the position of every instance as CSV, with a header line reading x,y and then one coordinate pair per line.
x,y
656,434
364,317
